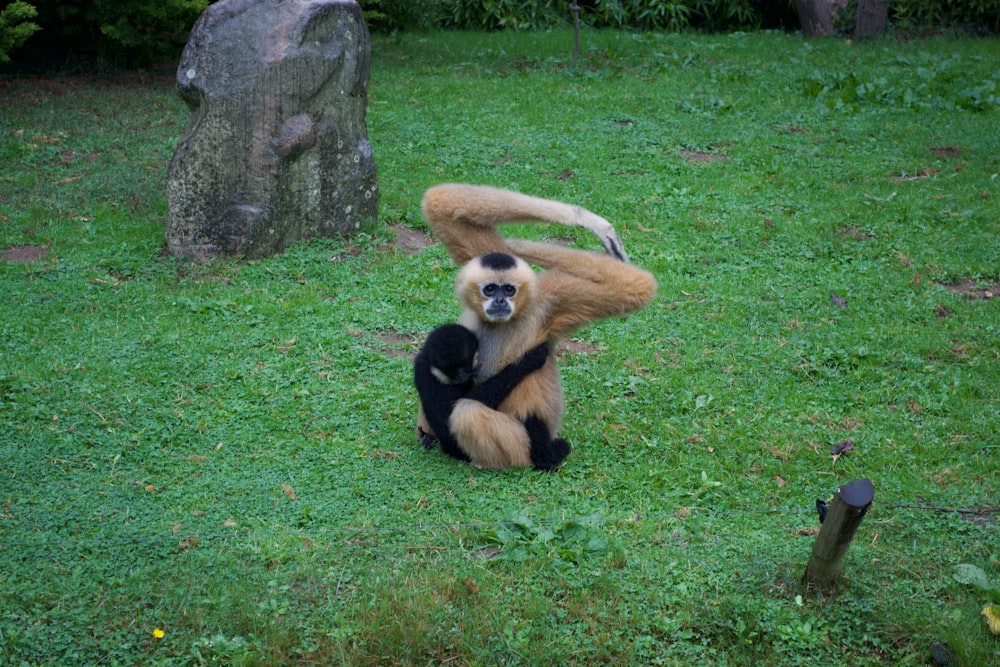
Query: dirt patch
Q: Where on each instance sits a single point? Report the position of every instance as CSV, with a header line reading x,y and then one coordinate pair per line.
x,y
23,254
59,86
947,152
923,174
36,90
349,251
573,346
973,289
699,157
397,345
410,241
855,233
563,175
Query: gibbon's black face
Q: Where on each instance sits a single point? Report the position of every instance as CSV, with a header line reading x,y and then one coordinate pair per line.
x,y
499,280
453,354
498,300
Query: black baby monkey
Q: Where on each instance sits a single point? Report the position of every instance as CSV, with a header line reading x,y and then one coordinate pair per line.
x,y
445,371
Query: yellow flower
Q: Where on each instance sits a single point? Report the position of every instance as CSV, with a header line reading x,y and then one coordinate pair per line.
x,y
992,614
157,633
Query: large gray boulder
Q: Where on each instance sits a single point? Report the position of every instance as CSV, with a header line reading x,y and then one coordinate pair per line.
x,y
276,148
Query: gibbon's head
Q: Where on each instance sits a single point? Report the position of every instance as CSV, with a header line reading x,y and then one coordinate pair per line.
x,y
497,286
452,352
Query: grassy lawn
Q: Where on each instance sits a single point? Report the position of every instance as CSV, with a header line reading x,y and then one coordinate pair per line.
x,y
216,464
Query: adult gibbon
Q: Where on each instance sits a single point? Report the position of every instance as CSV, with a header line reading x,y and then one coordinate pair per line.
x,y
512,308
445,371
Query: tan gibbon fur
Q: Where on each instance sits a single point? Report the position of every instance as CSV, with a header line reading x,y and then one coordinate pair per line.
x,y
574,288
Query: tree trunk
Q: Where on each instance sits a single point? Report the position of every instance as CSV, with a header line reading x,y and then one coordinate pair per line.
x,y
816,16
871,18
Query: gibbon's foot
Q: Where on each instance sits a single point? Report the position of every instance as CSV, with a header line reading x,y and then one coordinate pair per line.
x,y
427,440
551,456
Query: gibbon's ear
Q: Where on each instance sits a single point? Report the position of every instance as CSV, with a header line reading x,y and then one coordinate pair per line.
x,y
497,286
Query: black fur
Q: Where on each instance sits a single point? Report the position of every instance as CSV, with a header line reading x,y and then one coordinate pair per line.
x,y
546,452
498,261
451,349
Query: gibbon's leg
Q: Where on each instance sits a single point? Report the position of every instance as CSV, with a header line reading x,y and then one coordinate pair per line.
x,y
464,216
540,395
546,452
491,438
425,434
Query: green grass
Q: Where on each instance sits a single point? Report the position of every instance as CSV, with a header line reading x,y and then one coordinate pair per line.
x,y
226,451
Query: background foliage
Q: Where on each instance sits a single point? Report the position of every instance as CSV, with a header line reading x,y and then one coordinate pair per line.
x,y
16,27
708,15
144,33
119,33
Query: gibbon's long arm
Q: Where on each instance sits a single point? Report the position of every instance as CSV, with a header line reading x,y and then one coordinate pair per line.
x,y
579,287
464,217
495,390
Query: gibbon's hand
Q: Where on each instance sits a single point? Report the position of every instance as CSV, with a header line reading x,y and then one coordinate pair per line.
x,y
494,390
535,357
604,230
428,440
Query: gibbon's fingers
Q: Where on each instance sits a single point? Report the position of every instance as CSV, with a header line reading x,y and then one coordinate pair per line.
x,y
604,230
427,440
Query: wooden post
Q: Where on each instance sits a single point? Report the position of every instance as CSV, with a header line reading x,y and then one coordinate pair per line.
x,y
849,506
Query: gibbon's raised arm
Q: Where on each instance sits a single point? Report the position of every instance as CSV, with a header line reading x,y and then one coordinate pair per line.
x,y
464,217
579,287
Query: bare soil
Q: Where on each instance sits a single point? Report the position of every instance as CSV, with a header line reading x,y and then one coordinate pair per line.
x,y
22,254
